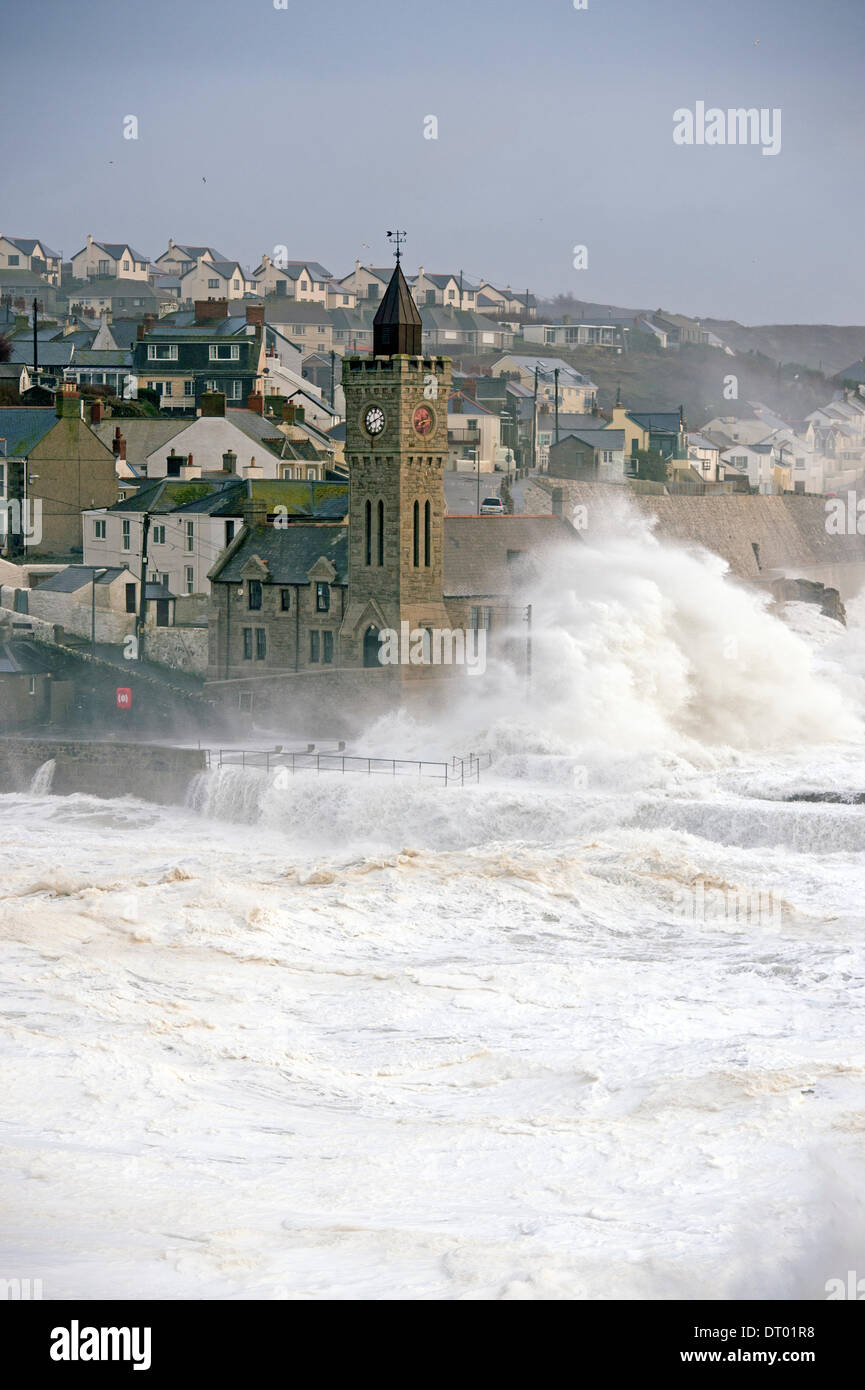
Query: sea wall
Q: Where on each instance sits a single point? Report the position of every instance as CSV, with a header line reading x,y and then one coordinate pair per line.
x,y
762,538
150,771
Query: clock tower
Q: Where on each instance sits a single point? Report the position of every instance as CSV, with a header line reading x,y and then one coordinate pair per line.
x,y
396,448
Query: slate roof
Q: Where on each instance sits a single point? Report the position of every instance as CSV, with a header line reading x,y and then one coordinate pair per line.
x,y
477,549
115,250
142,436
547,367
51,354
596,438
20,656
75,577
27,245
294,270
657,421
297,311
23,426
569,422
288,552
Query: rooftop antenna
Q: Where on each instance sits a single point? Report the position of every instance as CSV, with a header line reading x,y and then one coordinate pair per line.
x,y
396,239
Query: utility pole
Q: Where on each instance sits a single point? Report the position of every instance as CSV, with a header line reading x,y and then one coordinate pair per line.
x,y
332,377
142,597
535,424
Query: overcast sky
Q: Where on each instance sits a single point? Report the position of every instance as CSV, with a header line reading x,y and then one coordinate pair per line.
x,y
304,127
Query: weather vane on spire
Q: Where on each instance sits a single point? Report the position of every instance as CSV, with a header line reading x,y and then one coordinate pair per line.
x,y
396,239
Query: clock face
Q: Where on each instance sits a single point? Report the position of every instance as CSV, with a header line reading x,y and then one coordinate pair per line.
x,y
423,420
374,420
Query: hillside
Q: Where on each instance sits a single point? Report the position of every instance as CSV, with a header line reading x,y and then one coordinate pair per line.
x,y
692,377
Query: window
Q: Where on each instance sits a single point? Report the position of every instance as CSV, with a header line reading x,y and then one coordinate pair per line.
x,y
260,644
126,265
244,701
190,580
190,535
416,535
255,593
224,352
608,455
126,540
327,647
234,390
130,598
314,645
304,285
229,532
167,388
368,531
162,352
103,268
426,533
188,388
247,644
285,600
481,618
213,284
237,284
322,598
159,535
14,260
99,530
299,330
381,533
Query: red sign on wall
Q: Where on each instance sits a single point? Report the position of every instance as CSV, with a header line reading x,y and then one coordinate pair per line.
x,y
124,697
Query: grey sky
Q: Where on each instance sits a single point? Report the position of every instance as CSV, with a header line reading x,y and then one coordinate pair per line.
x,y
555,129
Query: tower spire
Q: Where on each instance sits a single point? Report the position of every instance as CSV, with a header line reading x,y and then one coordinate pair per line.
x,y
396,327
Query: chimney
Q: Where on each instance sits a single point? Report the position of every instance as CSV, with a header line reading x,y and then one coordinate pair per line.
x,y
255,313
559,502
213,403
252,469
171,243
255,402
289,410
96,412
139,332
206,309
254,512
67,402
189,469
229,460
300,414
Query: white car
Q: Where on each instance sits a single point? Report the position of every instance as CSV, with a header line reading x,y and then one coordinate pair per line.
x,y
492,506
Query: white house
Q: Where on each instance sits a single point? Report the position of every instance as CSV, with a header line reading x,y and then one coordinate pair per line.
x,y
27,253
216,280
113,260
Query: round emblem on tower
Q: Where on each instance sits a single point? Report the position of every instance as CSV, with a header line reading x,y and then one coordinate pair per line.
x,y
423,420
373,419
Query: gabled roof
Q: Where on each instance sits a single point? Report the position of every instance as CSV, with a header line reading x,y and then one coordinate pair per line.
x,y
595,438
22,427
657,421
27,245
75,577
289,552
143,437
298,311
115,250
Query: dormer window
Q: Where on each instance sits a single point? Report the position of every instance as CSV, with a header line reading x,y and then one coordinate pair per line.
x,y
255,593
322,598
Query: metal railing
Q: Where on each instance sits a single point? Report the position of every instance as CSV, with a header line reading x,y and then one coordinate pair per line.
x,y
457,772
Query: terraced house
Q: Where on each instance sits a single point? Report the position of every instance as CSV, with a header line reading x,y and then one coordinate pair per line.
x,y
201,352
